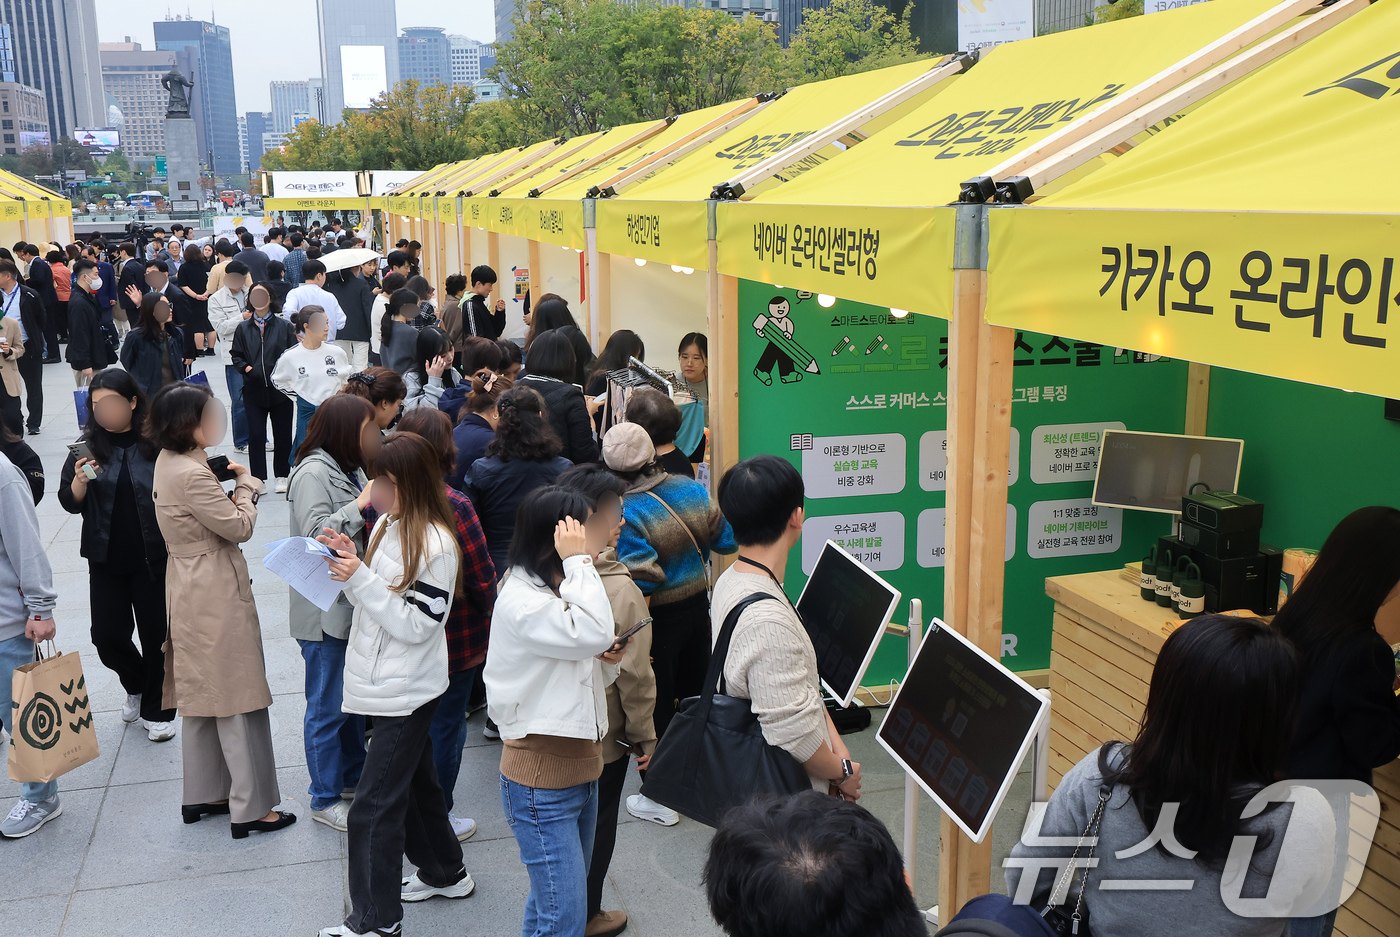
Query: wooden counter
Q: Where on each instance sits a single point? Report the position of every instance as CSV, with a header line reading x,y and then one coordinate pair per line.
x,y
1105,643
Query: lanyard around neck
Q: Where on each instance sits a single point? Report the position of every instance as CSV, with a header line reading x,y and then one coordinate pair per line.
x,y
744,559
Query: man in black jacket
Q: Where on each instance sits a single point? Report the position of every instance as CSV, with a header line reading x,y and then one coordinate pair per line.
x,y
254,258
352,290
131,272
481,320
88,348
23,304
257,344
40,280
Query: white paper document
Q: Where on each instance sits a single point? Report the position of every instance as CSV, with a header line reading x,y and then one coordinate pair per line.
x,y
300,562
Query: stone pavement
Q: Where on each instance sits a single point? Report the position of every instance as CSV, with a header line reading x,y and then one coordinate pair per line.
x,y
120,862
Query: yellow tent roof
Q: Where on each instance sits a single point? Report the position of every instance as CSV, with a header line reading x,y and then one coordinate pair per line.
x,y
860,226
663,217
1259,233
556,217
37,201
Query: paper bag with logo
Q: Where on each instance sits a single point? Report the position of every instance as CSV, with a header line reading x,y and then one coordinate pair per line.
x,y
51,727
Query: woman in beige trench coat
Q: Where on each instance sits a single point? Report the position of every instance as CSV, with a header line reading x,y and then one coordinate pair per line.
x,y
214,671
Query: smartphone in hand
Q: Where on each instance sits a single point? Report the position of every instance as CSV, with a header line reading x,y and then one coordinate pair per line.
x,y
218,464
81,450
621,640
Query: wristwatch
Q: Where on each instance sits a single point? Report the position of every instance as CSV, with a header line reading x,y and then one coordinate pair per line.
x,y
847,769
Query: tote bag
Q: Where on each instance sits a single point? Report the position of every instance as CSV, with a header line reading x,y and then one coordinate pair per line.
x,y
52,719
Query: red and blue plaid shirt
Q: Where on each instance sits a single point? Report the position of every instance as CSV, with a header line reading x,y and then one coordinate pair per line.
x,y
469,621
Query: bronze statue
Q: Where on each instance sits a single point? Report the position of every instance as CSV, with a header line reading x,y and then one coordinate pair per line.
x,y
176,83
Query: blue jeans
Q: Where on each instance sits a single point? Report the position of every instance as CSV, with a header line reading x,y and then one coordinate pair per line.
x,y
554,829
16,652
335,740
305,409
449,729
234,378
1320,926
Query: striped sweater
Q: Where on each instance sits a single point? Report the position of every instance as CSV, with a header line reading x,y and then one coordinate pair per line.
x,y
657,549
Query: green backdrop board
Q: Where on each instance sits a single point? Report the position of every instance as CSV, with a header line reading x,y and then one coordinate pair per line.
x,y
857,400
1348,461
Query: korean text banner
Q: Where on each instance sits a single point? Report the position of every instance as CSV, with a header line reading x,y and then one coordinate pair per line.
x,y
888,256
669,225
1018,94
314,185
1315,131
1309,298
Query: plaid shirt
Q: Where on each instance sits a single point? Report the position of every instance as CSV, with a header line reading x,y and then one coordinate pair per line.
x,y
469,621
291,264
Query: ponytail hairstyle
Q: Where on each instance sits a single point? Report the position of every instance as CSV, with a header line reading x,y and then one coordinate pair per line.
x,y
302,318
523,433
414,466
377,385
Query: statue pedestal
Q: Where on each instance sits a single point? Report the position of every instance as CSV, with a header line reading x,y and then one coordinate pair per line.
x,y
182,167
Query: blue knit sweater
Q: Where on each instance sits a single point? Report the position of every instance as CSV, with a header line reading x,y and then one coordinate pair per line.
x,y
657,549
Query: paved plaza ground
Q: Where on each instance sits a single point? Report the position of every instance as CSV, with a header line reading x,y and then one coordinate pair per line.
x,y
120,862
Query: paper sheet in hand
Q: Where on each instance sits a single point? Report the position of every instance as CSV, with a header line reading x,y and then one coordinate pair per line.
x,y
300,562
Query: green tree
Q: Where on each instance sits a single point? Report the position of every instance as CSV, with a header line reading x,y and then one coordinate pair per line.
x,y
1121,10
847,37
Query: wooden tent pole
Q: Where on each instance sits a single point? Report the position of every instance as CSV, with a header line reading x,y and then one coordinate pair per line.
x,y
536,274
979,446
1197,399
493,255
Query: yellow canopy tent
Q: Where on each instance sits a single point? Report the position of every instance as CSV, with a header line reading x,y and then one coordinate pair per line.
x,y
44,215
865,226
663,216
1257,234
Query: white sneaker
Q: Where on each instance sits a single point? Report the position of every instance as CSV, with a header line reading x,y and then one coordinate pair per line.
x,y
160,731
336,816
464,827
240,448
269,445
340,930
131,709
644,808
415,889
282,485
489,731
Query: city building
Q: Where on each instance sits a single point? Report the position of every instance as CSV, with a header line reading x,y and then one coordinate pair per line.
x,y
359,53
243,139
289,98
211,52
934,25
256,126
424,56
487,90
465,53
24,118
52,46
505,27
763,9
131,76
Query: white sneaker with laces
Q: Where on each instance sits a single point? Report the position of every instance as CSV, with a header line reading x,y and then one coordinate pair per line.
x,y
336,816
282,485
269,445
464,827
415,889
27,816
644,808
340,930
240,448
160,731
131,709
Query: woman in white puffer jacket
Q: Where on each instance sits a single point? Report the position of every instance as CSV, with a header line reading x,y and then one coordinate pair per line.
x,y
395,670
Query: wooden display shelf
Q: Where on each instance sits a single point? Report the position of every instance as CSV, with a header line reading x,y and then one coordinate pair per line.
x,y
1103,648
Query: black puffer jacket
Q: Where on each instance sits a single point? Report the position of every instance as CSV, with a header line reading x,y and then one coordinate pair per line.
x,y
568,414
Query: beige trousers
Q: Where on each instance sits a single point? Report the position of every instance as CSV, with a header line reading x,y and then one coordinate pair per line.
x,y
230,758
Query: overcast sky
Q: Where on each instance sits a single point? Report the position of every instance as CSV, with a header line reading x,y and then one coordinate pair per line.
x,y
275,40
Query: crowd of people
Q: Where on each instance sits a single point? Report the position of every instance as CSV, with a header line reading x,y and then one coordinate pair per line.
x,y
496,530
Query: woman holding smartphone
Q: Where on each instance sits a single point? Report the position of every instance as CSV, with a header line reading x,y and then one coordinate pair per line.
x,y
122,543
396,669
214,654
553,653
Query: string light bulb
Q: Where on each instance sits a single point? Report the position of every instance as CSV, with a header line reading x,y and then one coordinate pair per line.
x,y
825,300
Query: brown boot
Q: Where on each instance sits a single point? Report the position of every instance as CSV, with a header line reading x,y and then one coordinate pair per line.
x,y
606,924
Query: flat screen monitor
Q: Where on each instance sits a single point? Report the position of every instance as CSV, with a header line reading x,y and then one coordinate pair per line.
x,y
845,608
1154,471
961,724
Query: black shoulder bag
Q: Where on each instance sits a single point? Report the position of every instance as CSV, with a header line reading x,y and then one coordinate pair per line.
x,y
713,755
1076,923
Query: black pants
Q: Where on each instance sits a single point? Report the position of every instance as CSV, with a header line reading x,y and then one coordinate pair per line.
x,y
10,412
31,371
605,835
398,811
680,653
123,603
59,314
259,405
51,331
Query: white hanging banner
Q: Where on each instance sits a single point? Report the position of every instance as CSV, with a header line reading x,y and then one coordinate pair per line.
x,y
314,185
983,23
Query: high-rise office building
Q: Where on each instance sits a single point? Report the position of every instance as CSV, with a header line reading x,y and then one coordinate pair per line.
x,y
131,75
53,47
243,139
359,53
289,98
256,126
211,52
424,55
934,25
465,53
505,26
24,118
